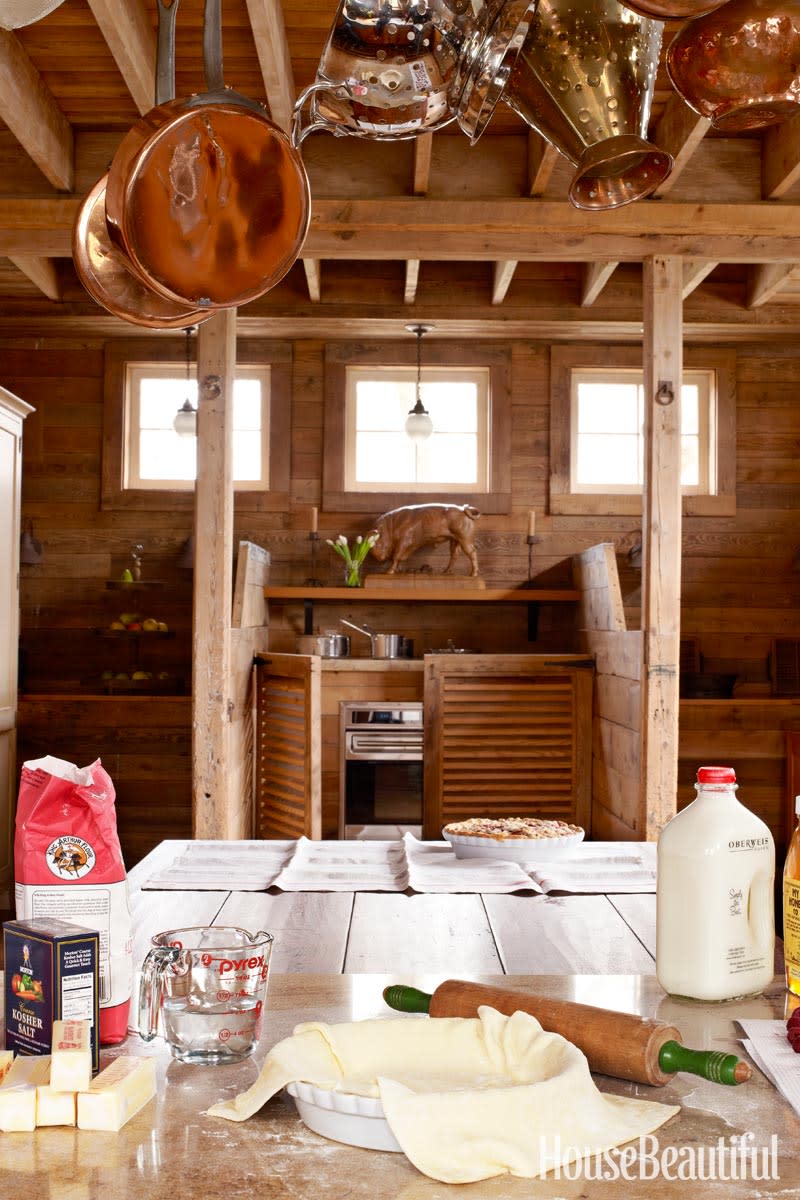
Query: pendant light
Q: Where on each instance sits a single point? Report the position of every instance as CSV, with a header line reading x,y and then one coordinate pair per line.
x,y
419,425
185,422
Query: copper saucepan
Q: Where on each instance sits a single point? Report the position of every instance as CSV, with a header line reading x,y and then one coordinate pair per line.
x,y
208,197
739,65
104,268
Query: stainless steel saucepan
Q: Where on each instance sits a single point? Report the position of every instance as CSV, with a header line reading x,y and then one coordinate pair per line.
x,y
327,645
385,645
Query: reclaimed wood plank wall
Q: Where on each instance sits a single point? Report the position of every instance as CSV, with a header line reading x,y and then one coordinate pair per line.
x,y
740,582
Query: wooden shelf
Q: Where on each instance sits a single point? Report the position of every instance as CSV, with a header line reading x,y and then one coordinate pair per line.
x,y
133,585
407,595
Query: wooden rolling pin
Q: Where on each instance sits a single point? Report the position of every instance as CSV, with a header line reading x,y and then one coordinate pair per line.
x,y
618,1044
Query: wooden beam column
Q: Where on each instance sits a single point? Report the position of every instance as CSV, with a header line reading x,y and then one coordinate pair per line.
x,y
661,539
213,587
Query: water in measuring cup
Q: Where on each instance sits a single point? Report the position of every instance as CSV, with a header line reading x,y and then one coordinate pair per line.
x,y
216,1033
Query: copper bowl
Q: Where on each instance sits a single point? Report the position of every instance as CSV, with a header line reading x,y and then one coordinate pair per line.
x,y
672,10
739,66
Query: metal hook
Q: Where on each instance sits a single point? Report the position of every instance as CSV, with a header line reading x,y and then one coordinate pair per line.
x,y
666,392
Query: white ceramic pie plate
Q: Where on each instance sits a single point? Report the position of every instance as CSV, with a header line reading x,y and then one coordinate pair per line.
x,y
343,1117
518,850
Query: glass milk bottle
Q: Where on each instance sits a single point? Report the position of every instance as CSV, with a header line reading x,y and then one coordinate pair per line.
x,y
715,920
791,908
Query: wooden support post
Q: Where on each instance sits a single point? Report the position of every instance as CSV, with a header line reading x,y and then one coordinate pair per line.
x,y
213,587
661,535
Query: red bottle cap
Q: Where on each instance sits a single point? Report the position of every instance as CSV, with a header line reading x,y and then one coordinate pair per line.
x,y
716,775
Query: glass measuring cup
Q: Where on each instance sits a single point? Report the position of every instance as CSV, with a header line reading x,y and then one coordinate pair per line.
x,y
209,984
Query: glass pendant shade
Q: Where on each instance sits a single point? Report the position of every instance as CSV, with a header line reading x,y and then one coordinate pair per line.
x,y
419,425
185,421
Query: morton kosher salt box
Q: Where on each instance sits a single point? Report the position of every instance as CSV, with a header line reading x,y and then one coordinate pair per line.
x,y
50,975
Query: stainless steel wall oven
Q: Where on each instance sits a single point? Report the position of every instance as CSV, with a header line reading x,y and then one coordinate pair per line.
x,y
380,784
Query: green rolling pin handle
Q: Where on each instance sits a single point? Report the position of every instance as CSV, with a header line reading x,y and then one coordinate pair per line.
x,y
406,999
708,1064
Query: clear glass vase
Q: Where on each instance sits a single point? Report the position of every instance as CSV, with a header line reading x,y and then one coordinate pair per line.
x,y
353,576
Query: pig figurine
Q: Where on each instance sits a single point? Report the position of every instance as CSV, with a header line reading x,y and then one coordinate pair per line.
x,y
403,530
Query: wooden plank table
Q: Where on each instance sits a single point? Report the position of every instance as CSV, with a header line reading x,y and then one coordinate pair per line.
x,y
461,933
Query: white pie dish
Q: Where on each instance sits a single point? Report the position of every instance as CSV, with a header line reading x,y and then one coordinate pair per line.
x,y
343,1117
517,850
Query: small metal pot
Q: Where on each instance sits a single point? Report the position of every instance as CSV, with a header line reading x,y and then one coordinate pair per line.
x,y
385,645
326,645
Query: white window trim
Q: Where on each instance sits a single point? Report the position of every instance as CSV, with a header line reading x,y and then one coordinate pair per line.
x,y
563,500
134,373
480,376
704,380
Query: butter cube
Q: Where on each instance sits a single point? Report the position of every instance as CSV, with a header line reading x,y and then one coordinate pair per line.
x,y
18,1092
71,1065
54,1108
6,1059
117,1093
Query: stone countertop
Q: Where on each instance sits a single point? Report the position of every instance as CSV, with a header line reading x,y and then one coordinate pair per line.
x,y
172,1149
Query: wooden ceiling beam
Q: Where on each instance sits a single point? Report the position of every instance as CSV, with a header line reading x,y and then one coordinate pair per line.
x,y
694,272
679,131
272,47
780,158
595,277
423,152
502,275
313,270
43,272
412,279
765,280
542,158
441,230
132,41
32,115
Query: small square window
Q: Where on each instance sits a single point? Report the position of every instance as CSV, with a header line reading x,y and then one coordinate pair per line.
x,y
378,452
597,431
156,457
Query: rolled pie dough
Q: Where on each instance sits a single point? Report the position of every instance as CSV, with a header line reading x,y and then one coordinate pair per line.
x,y
466,1098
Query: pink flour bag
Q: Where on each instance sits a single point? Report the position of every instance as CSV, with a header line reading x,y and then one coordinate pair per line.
x,y
68,864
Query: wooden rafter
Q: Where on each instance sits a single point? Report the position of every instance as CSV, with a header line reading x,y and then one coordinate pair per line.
x,y
765,280
423,150
269,32
780,158
313,270
502,275
542,158
694,272
439,230
412,279
42,272
32,115
595,277
679,131
132,41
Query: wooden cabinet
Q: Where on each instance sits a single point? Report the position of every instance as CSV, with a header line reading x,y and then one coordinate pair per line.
x,y
12,414
507,735
504,734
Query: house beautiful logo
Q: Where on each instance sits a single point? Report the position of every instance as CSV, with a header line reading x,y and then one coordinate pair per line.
x,y
734,1158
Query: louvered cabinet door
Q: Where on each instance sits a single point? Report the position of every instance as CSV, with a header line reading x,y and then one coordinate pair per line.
x,y
507,736
288,755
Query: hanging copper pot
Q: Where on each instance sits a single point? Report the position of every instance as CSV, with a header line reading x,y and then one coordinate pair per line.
x,y
207,196
584,79
387,69
106,273
672,10
104,268
739,66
